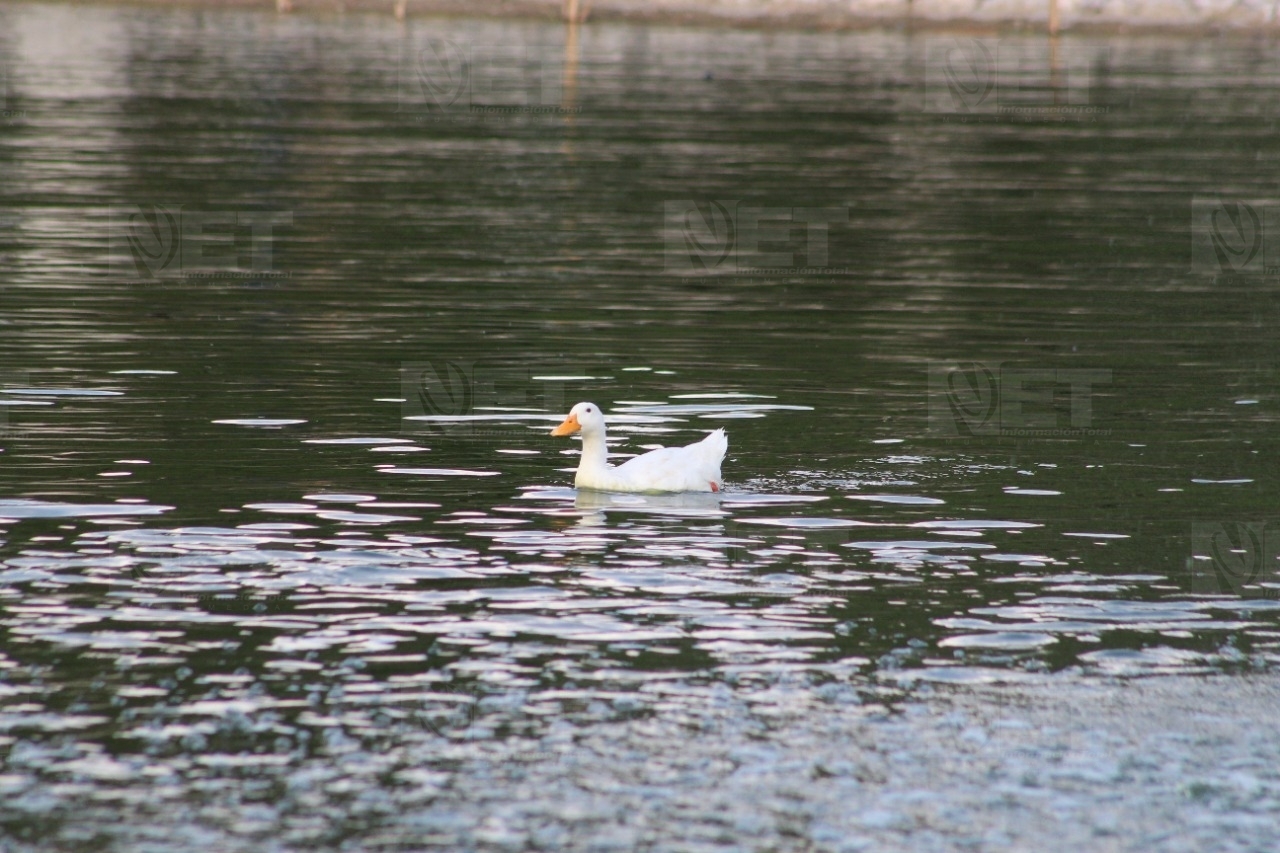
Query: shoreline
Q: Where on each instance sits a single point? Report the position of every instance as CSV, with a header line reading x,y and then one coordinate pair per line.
x,y
1252,18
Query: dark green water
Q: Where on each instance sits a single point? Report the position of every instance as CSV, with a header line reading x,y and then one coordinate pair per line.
x,y
1018,424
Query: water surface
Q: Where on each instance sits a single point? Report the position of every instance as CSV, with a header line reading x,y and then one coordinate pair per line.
x,y
286,545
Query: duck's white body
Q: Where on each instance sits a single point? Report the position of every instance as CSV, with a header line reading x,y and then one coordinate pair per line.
x,y
695,468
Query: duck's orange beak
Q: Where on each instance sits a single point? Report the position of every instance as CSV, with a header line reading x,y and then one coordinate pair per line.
x,y
569,427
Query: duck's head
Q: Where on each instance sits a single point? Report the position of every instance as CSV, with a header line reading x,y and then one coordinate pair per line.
x,y
584,417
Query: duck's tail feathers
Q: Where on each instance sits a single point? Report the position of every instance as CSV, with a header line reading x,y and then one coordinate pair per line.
x,y
717,440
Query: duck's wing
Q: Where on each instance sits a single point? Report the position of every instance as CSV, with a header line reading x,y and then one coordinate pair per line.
x,y
695,468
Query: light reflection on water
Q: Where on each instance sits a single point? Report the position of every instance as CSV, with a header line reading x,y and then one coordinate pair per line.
x,y
742,578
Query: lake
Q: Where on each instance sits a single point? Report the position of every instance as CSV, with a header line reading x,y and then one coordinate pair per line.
x,y
288,558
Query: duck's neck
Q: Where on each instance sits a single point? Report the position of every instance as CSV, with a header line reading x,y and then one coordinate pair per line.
x,y
595,452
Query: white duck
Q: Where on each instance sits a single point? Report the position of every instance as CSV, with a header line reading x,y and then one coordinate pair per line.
x,y
695,468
